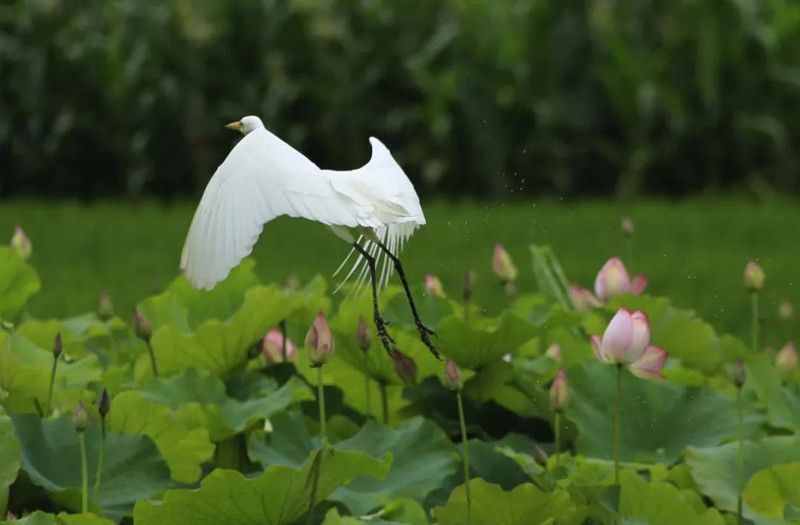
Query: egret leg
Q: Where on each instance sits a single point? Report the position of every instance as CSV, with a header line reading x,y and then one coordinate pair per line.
x,y
380,323
425,333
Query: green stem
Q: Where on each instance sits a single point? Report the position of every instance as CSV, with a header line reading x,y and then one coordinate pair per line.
x,y
463,423
367,397
282,324
52,384
557,425
629,250
617,418
754,301
101,457
4,502
321,403
740,451
152,354
384,402
84,474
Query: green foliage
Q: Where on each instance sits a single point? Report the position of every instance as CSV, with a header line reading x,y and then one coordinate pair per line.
x,y
774,492
42,518
18,283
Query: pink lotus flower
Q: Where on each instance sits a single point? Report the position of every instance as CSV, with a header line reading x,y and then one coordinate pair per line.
x,y
433,286
626,341
502,265
272,347
582,299
319,341
21,244
613,280
559,392
786,359
753,276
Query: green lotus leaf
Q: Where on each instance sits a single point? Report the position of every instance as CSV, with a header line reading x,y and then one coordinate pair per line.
x,y
659,420
782,401
661,503
279,496
132,470
10,458
475,343
18,283
42,518
399,512
774,492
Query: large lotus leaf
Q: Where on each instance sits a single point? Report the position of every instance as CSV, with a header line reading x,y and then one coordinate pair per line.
x,y
775,492
489,461
719,476
279,496
525,505
42,518
659,420
288,444
782,401
183,443
682,333
423,458
133,469
399,512
475,343
661,503
10,454
224,415
25,374
18,283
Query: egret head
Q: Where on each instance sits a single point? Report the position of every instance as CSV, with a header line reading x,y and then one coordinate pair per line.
x,y
246,124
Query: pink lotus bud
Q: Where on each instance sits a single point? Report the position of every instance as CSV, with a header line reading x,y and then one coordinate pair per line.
x,y
433,286
405,367
628,227
319,341
649,365
80,418
786,360
638,284
105,308
612,280
272,347
363,335
452,375
753,276
469,284
786,311
582,299
554,352
21,244
641,336
559,392
624,340
502,265
141,326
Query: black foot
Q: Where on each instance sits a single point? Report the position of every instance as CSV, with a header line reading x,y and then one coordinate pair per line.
x,y
425,334
383,333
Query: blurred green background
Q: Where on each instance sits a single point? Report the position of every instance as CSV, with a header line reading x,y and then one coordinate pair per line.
x,y
478,97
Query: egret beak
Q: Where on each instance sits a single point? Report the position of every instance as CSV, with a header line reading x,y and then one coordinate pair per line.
x,y
236,126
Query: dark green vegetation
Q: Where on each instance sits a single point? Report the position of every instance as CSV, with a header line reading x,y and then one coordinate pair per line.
x,y
474,96
695,250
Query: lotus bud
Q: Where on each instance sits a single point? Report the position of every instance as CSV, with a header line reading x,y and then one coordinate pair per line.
x,y
638,284
651,363
21,244
625,339
612,280
502,265
554,352
786,311
105,308
738,373
141,326
469,284
319,341
80,418
582,299
405,367
753,276
272,347
58,346
559,392
628,227
433,286
362,335
452,375
104,405
786,359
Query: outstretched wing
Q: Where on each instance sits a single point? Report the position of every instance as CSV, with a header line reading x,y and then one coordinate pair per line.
x,y
261,179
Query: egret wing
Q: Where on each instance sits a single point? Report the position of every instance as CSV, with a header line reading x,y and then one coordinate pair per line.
x,y
261,179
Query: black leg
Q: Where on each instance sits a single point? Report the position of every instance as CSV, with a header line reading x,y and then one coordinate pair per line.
x,y
380,324
425,333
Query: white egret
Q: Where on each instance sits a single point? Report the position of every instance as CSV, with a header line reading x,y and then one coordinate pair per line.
x,y
374,208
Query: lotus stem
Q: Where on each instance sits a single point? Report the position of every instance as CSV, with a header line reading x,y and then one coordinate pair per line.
x,y
367,397
52,383
740,451
84,474
321,403
465,445
282,325
101,456
617,418
754,303
152,354
384,402
557,429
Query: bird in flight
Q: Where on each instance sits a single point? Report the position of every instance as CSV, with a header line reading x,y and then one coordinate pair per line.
x,y
374,208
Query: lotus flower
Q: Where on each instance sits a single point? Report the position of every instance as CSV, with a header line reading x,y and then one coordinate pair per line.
x,y
786,359
582,299
559,392
613,280
433,286
753,276
502,265
272,347
21,244
319,341
626,341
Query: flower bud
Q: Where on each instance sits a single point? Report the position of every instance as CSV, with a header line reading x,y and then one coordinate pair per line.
x,y
627,226
272,347
469,284
786,359
638,284
786,311
433,286
21,244
104,405
753,276
582,299
559,392
362,334
405,367
319,341
554,352
738,373
612,280
58,346
452,375
105,308
141,326
502,265
80,418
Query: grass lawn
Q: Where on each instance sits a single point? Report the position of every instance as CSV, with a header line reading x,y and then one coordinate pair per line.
x,y
693,251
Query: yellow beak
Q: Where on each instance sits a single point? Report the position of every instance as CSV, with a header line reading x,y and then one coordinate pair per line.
x,y
236,126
